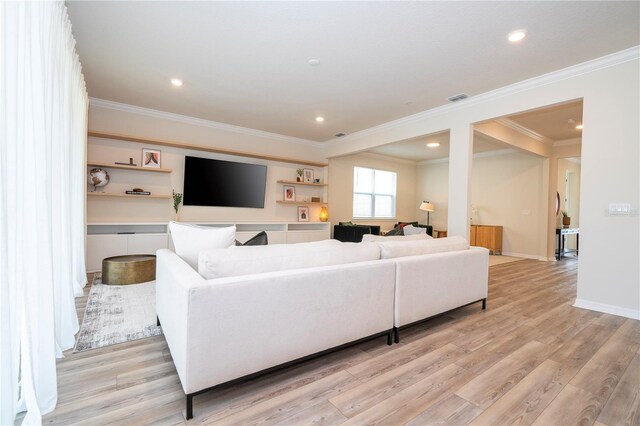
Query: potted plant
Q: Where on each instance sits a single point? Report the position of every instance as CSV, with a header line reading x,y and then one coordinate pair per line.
x,y
566,220
299,173
177,199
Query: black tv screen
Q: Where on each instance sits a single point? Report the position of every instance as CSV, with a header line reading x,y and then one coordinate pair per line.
x,y
223,183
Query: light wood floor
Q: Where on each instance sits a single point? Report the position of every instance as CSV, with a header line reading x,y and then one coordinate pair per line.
x,y
529,358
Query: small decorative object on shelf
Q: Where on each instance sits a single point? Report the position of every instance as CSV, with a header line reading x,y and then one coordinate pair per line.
x,y
130,163
177,199
299,174
316,181
308,175
566,220
303,214
151,158
98,178
138,191
289,193
324,214
315,199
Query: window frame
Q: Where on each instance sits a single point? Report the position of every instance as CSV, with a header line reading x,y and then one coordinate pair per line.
x,y
373,194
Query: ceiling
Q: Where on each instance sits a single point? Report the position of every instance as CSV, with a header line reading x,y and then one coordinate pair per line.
x,y
246,63
556,122
415,149
552,122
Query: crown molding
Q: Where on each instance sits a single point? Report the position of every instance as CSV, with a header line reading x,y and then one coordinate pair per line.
x,y
524,130
484,154
386,157
148,112
567,142
607,61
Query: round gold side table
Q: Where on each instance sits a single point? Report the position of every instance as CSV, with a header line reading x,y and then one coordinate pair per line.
x,y
129,269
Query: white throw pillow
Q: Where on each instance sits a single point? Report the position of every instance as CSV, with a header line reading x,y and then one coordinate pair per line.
x,y
368,238
413,230
393,249
190,240
247,260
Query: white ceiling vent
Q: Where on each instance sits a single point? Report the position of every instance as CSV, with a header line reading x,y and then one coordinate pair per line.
x,y
457,98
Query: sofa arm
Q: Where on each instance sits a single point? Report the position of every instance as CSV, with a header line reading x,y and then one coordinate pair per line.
x,y
174,280
431,284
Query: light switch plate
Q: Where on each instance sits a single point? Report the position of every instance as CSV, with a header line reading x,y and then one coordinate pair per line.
x,y
620,208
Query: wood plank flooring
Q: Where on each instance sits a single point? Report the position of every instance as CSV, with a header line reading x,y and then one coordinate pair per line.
x,y
530,358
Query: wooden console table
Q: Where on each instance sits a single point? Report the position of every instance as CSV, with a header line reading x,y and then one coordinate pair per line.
x,y
487,236
561,234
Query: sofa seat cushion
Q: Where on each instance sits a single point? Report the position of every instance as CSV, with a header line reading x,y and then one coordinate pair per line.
x,y
393,249
383,238
246,260
190,240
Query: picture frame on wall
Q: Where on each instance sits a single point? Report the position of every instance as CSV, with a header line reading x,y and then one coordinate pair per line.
x,y
308,175
289,193
151,158
303,213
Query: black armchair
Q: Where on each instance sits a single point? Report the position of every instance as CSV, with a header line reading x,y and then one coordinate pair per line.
x,y
353,233
417,225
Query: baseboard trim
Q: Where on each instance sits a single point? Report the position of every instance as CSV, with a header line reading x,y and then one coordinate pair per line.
x,y
526,256
607,309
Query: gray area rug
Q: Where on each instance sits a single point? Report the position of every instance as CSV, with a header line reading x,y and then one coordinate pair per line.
x,y
117,314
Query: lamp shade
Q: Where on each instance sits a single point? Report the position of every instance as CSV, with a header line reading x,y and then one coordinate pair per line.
x,y
324,214
427,206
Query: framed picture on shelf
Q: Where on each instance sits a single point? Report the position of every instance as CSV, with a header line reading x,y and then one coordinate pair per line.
x,y
289,193
151,158
308,175
303,214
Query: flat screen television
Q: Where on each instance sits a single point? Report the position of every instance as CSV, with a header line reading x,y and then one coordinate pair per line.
x,y
223,183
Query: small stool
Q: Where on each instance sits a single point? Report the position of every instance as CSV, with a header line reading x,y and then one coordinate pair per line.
x,y
129,269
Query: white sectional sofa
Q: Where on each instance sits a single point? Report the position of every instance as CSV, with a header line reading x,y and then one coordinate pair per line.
x,y
252,309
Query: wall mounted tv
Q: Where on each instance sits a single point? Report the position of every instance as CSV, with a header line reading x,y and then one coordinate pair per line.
x,y
223,183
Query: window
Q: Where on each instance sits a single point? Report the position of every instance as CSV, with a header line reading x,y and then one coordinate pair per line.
x,y
374,193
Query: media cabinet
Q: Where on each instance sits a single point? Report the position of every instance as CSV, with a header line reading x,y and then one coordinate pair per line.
x,y
115,239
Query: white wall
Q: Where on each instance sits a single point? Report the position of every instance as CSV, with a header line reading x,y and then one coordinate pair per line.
x,y
148,124
433,185
341,189
609,273
507,190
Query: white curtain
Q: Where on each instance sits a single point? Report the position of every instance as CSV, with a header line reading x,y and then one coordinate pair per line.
x,y
43,128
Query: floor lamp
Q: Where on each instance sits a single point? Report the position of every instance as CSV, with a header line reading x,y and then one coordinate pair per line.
x,y
428,207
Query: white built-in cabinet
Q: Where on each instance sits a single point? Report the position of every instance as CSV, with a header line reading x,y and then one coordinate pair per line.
x,y
115,239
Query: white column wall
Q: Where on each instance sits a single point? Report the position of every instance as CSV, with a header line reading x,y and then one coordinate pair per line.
x,y
460,157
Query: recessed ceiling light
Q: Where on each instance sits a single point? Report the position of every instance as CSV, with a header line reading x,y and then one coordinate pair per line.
x,y
176,82
433,144
314,62
319,119
516,36
579,127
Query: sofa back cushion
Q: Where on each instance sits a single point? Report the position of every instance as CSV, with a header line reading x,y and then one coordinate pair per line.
x,y
258,259
383,238
190,240
393,249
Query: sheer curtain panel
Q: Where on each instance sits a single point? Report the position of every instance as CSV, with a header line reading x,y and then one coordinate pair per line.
x,y
43,128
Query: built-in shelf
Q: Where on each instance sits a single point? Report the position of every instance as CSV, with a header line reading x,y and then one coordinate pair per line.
x,y
120,166
293,182
301,202
107,194
204,148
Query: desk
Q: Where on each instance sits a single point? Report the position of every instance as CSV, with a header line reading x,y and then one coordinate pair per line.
x,y
561,234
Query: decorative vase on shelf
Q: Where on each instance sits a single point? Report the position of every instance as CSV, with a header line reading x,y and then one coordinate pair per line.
x,y
176,217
